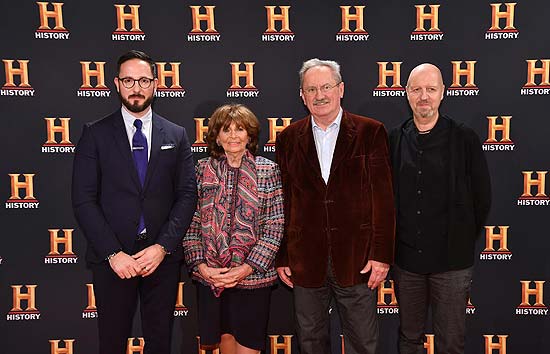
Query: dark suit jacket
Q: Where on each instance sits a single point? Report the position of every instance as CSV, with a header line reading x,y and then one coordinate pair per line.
x,y
352,217
107,195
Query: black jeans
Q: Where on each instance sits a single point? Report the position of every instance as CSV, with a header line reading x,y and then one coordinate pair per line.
x,y
447,293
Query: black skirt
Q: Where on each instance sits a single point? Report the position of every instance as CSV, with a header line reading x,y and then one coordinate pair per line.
x,y
243,313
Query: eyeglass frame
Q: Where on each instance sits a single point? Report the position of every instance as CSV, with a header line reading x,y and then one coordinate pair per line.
x,y
324,89
121,79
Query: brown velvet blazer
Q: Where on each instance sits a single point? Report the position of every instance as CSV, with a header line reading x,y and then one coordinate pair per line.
x,y
352,217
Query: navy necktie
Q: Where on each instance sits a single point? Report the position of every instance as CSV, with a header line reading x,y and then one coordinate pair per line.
x,y
139,150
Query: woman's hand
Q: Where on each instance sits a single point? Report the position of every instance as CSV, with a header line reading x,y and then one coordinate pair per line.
x,y
233,276
208,274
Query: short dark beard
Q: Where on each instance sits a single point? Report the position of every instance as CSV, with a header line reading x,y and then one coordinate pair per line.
x,y
136,108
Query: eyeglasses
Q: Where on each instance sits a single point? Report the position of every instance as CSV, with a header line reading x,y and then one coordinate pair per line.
x,y
128,82
312,91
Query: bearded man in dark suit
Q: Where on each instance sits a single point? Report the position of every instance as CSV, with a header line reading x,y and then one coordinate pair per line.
x,y
134,194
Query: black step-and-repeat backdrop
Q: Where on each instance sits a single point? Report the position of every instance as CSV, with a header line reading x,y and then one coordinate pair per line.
x,y
58,63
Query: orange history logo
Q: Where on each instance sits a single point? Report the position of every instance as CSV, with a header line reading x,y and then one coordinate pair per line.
x,y
498,16
463,74
15,201
387,301
491,345
54,13
242,75
58,238
123,18
90,75
491,250
180,309
56,348
135,348
498,124
532,298
429,344
278,25
16,73
427,24
91,310
274,129
62,145
389,80
24,304
201,130
538,78
202,20
353,19
538,184
169,74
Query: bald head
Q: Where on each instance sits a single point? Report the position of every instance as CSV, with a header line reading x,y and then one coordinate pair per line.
x,y
425,69
424,92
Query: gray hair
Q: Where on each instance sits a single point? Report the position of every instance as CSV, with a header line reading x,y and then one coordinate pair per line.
x,y
312,63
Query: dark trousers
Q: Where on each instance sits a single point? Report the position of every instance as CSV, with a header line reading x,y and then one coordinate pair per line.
x,y
116,301
447,293
356,306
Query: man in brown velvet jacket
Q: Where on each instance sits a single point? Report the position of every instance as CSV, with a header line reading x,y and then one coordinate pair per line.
x,y
339,214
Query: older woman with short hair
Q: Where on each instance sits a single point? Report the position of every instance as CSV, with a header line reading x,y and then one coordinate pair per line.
x,y
235,234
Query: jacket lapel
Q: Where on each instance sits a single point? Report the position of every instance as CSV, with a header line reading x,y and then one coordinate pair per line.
x,y
308,149
346,136
121,138
157,137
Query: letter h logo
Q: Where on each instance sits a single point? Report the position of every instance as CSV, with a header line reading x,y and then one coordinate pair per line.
x,y
98,73
498,15
383,291
384,73
135,348
173,73
274,129
282,17
27,185
56,349
56,14
19,296
491,346
422,16
357,17
66,240
543,71
504,128
527,291
62,129
198,17
539,182
22,71
132,16
491,237
237,74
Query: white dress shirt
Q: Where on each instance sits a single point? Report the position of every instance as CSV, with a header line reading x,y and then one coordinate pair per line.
x,y
325,142
146,128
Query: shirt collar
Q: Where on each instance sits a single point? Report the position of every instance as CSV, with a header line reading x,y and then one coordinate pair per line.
x,y
129,119
336,122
